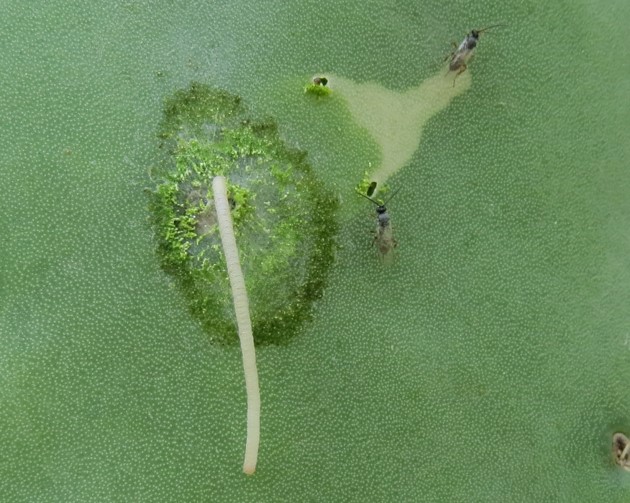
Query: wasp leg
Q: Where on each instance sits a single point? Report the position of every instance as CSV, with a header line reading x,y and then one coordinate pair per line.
x,y
374,239
452,54
461,70
449,56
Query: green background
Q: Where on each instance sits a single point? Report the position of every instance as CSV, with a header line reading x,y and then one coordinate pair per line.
x,y
488,363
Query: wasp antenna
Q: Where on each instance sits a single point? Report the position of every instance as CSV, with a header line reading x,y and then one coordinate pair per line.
x,y
490,27
367,197
392,196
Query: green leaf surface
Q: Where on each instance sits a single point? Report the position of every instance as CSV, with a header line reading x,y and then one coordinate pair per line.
x,y
488,362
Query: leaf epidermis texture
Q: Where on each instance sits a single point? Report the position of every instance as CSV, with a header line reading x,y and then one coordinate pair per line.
x,y
488,363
